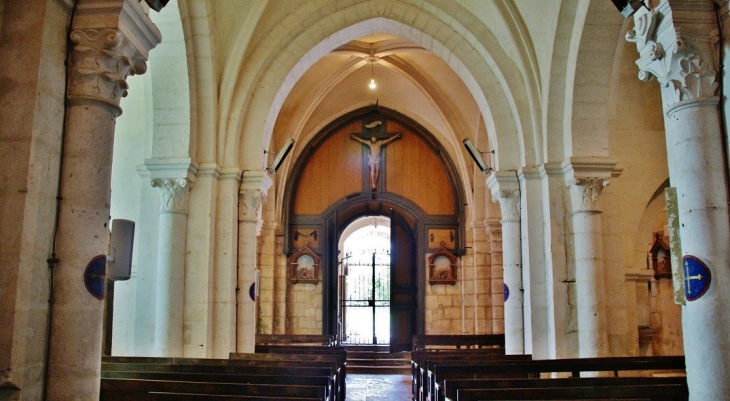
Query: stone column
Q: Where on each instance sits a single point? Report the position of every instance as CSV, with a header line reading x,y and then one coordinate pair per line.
x,y
224,295
254,186
173,182
110,40
678,45
585,193
505,190
494,231
639,314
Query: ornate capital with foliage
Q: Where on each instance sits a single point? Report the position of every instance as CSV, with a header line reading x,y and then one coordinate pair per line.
x,y
111,40
173,194
586,193
678,44
101,60
509,203
249,203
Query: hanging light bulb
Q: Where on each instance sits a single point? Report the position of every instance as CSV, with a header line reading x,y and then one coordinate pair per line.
x,y
372,84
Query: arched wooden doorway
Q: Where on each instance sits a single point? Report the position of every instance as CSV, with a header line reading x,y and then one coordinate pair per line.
x,y
405,293
415,185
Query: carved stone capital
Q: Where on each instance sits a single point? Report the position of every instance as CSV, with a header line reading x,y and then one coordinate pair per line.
x,y
173,194
249,202
110,41
678,44
586,193
509,203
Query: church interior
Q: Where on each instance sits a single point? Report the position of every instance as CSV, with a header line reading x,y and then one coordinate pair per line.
x,y
553,171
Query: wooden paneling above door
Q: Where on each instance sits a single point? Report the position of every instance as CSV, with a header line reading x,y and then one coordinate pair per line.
x,y
339,168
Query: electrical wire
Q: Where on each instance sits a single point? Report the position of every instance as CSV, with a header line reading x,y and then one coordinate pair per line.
x,y
53,259
720,109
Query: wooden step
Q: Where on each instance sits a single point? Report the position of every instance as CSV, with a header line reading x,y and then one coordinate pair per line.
x,y
379,370
372,359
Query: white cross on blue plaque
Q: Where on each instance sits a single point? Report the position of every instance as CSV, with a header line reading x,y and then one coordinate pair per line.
x,y
697,277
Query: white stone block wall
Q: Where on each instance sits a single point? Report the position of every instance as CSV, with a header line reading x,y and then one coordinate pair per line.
x,y
304,308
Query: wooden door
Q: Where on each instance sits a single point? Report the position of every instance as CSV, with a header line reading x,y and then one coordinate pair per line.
x,y
402,283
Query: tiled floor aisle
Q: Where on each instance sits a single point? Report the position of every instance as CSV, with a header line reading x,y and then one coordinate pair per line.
x,y
378,387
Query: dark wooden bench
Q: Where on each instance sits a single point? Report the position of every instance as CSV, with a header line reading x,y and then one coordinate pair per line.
x,y
456,341
663,392
419,358
486,369
338,351
429,387
212,397
288,368
291,339
275,369
248,378
139,390
451,386
438,342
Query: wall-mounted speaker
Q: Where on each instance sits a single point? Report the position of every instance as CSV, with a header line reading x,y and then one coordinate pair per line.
x,y
476,155
627,8
280,155
119,261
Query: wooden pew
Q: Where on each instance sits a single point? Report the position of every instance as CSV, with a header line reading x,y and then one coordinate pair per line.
x,y
448,341
484,369
247,378
291,339
339,351
337,358
664,392
451,386
457,341
139,390
419,360
283,366
267,369
429,386
211,397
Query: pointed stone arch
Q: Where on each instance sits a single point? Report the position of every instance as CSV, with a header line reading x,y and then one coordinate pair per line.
x,y
275,65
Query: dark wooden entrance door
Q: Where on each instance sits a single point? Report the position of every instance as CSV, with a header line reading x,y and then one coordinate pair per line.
x,y
403,288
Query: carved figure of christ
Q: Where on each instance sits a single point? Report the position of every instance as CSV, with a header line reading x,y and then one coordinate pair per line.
x,y
375,145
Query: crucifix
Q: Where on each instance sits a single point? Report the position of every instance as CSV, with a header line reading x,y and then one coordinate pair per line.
x,y
375,145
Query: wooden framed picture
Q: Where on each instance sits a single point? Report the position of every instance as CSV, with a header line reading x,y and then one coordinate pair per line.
x,y
660,258
304,266
442,267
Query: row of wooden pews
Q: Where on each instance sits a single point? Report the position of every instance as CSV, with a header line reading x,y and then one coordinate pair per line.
x,y
309,374
427,349
470,373
319,346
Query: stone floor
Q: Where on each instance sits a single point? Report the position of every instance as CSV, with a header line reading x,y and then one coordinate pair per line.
x,y
361,387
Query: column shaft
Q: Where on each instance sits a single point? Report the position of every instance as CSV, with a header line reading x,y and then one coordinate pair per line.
x,y
505,190
225,281
254,186
497,279
693,152
170,285
513,312
76,328
589,285
246,313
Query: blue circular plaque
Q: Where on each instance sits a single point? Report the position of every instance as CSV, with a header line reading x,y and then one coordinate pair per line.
x,y
506,292
697,277
252,291
95,277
